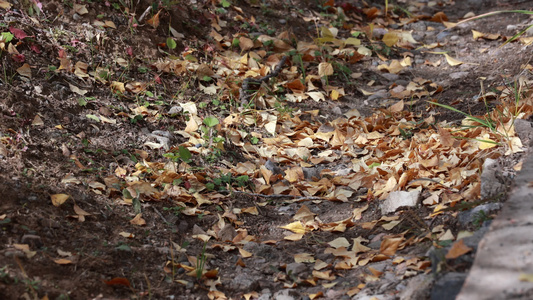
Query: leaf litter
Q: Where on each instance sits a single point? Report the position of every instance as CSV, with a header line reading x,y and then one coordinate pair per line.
x,y
288,156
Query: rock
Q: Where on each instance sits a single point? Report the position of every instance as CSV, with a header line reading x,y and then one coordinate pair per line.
x,y
378,95
524,129
390,76
467,217
289,294
459,75
266,294
398,199
493,183
417,287
448,286
244,281
174,110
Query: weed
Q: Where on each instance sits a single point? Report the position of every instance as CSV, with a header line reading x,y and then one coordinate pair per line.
x,y
176,210
200,263
479,218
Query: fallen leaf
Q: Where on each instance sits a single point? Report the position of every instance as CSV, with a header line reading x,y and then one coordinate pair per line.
x,y
458,248
58,199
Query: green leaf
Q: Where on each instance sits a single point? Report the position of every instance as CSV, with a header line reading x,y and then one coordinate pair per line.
x,y
225,3
171,43
211,121
126,194
235,42
206,78
93,117
82,102
374,165
136,204
185,154
124,247
6,37
191,58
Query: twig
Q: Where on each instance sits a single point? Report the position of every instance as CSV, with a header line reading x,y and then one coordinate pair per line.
x,y
155,209
148,9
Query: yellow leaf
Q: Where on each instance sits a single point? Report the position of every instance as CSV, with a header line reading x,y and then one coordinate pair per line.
x,y
334,95
477,34
487,144
58,199
244,253
295,227
452,61
390,39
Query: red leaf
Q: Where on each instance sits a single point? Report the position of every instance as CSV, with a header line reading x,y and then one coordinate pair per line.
x,y
35,48
118,281
18,33
129,50
62,53
18,58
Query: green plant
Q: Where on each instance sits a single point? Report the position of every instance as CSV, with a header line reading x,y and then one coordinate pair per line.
x,y
479,218
227,181
200,263
4,274
176,210
179,154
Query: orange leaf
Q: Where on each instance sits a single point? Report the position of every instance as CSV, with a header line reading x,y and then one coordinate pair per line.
x,y
458,248
118,281
154,21
439,17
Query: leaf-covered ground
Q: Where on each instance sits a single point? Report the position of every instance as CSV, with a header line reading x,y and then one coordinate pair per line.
x,y
246,149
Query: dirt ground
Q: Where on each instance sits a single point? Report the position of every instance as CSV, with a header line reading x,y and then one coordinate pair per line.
x,y
91,247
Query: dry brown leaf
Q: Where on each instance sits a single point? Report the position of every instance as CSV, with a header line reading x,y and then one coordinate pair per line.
x,y
245,43
446,138
458,248
397,107
390,245
25,70
154,21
